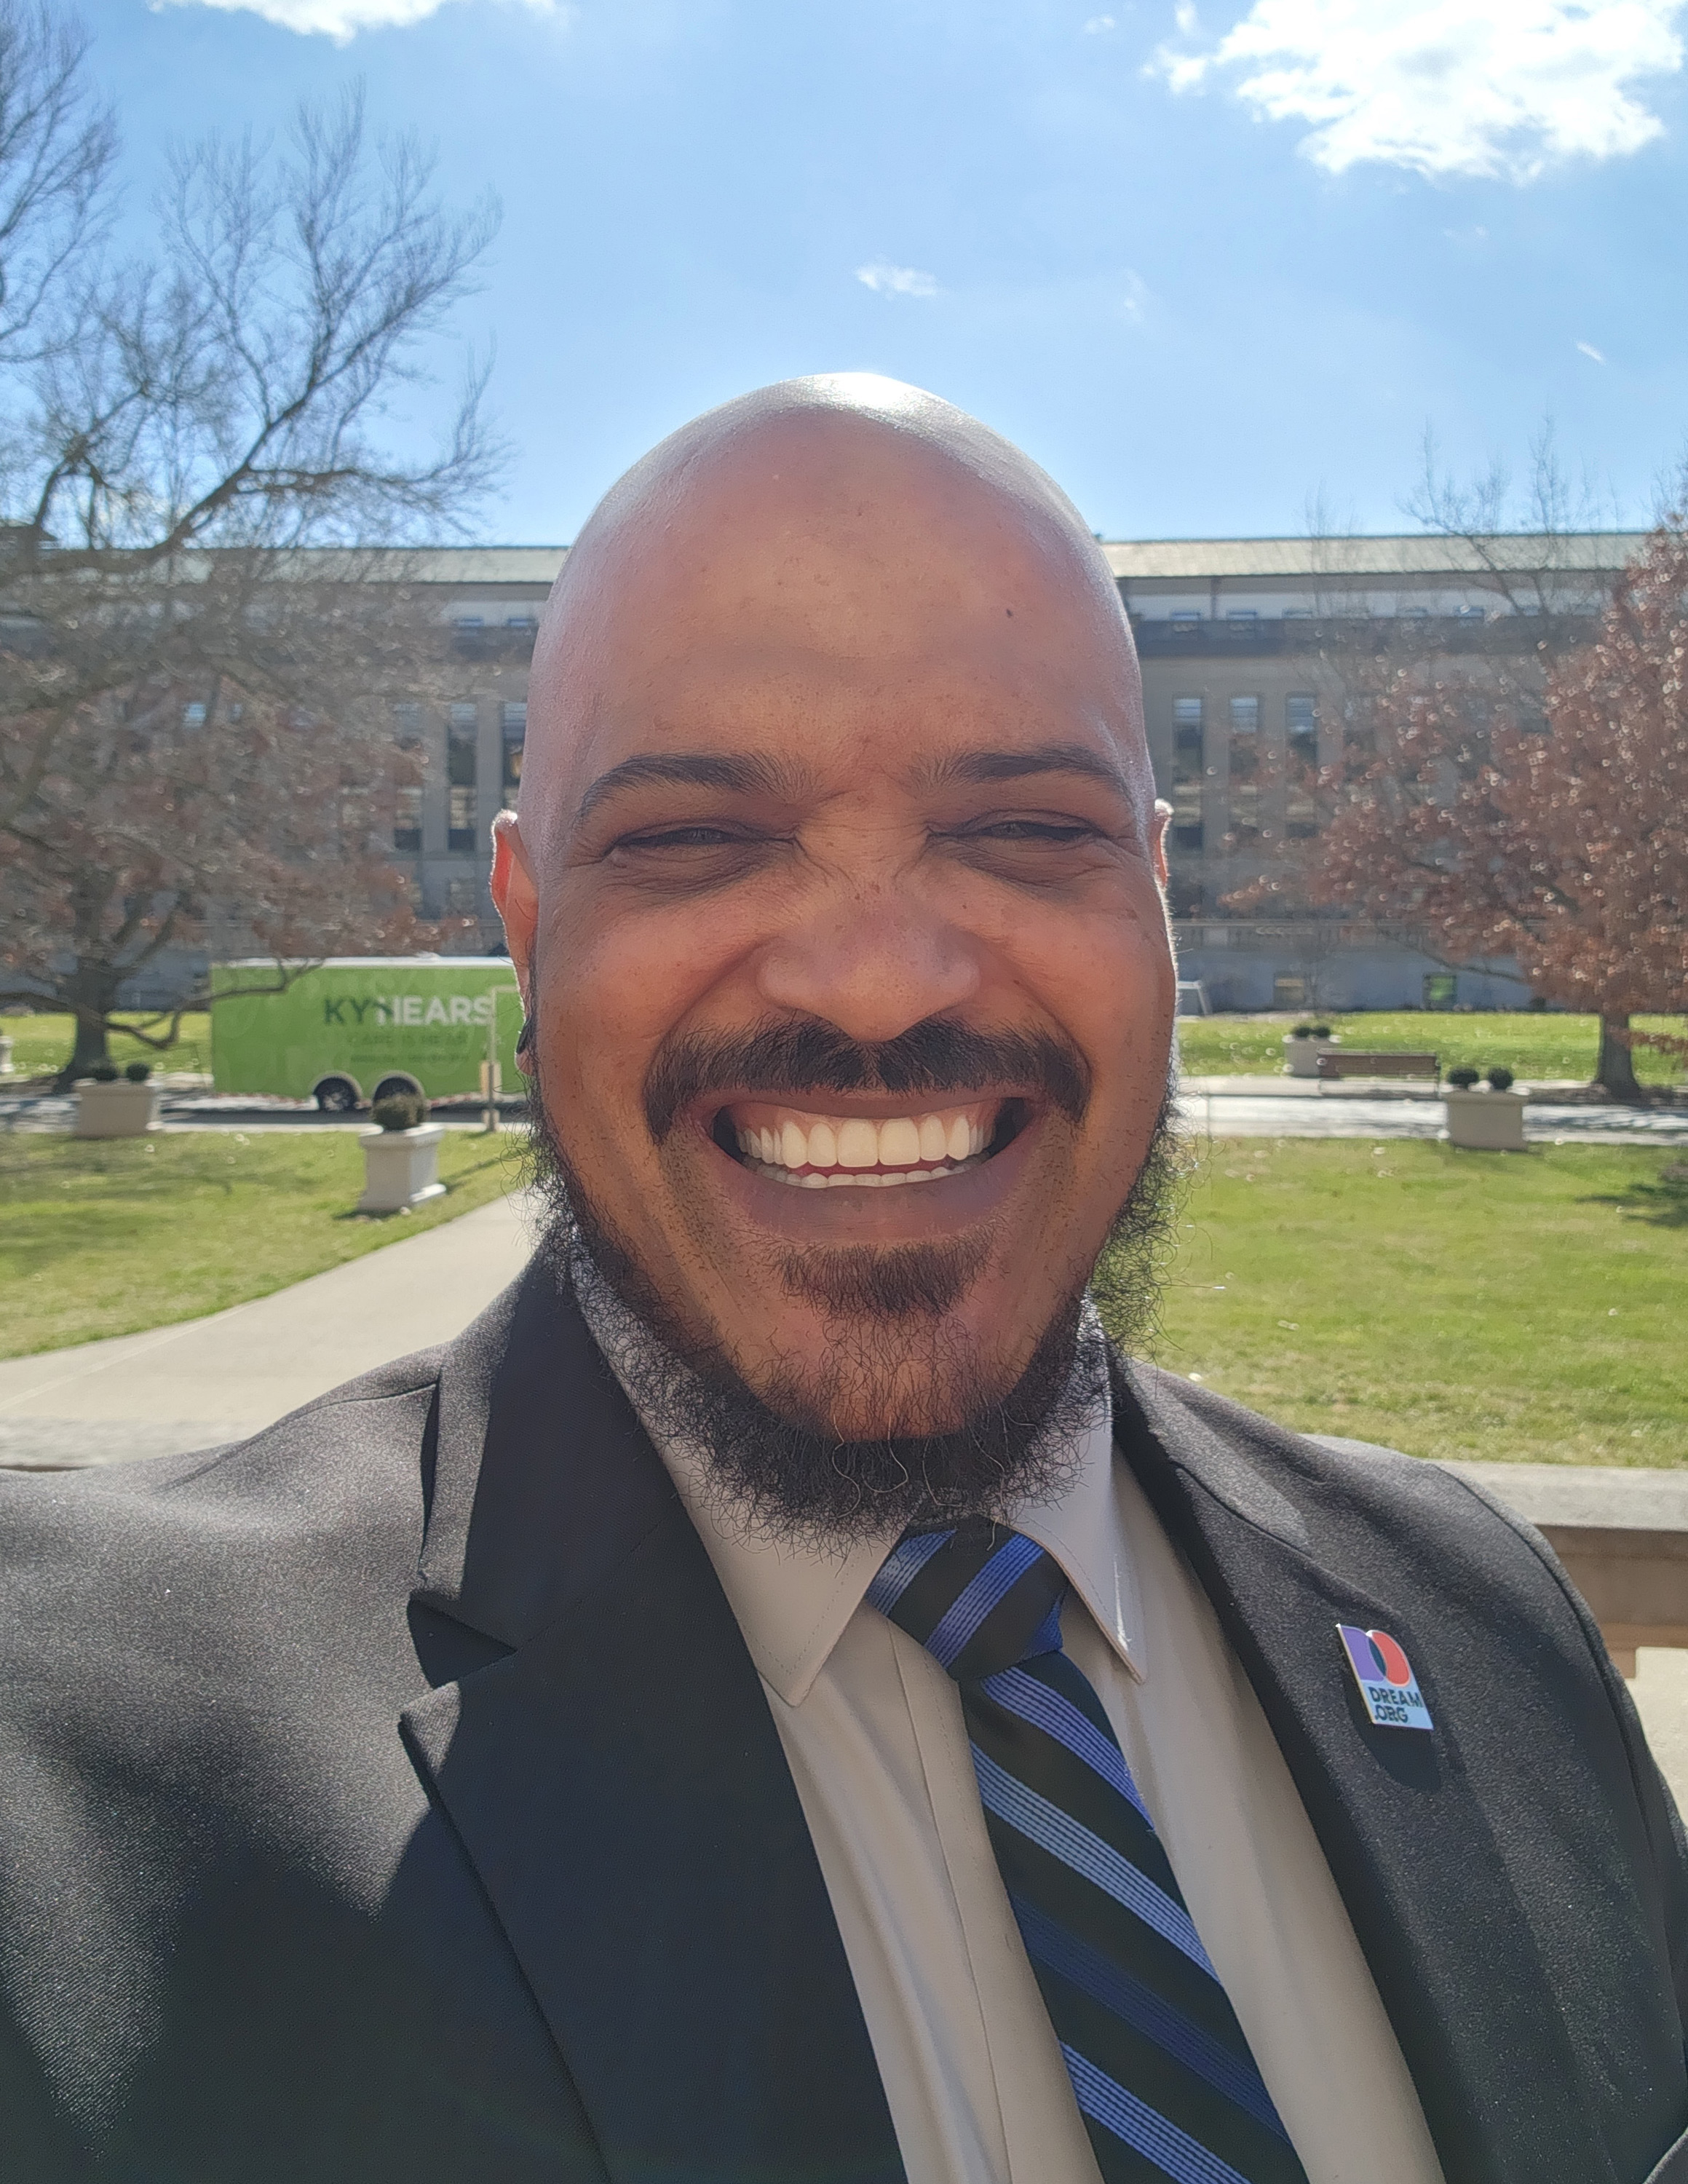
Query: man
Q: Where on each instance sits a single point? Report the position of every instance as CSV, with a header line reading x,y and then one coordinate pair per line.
x,y
779,1699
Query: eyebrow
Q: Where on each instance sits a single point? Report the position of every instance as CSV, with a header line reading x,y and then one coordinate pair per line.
x,y
696,770
1041,758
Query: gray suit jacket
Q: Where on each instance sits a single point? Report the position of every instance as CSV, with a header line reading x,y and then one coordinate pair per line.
x,y
392,1796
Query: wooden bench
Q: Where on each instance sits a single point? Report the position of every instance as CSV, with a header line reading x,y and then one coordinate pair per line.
x,y
1349,1062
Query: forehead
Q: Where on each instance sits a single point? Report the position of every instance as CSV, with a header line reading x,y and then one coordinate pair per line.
x,y
876,602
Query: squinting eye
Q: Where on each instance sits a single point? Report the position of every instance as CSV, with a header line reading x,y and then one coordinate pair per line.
x,y
679,837
1031,830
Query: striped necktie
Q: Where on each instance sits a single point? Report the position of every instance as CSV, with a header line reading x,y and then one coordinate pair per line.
x,y
1163,2073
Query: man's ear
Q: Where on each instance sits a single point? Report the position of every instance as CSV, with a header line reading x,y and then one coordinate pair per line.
x,y
1164,812
516,899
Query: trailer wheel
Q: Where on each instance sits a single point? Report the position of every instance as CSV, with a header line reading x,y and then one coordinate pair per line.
x,y
390,1086
337,1095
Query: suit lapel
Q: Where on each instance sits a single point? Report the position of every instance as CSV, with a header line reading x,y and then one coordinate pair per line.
x,y
618,1783
1406,1837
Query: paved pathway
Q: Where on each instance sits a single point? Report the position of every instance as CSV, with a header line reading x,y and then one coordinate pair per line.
x,y
1284,1114
208,1380
1212,1106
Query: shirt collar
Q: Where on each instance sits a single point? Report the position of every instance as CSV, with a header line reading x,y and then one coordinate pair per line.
x,y
792,1600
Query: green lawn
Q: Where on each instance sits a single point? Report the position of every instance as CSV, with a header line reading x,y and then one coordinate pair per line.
x,y
1500,1307
106,1237
1533,1044
42,1045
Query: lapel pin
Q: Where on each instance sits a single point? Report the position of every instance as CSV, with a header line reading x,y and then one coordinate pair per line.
x,y
1384,1675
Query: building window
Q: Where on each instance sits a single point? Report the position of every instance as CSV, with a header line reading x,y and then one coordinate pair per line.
x,y
1471,614
1298,613
407,817
469,621
463,897
513,726
407,724
521,621
460,773
1244,769
193,716
1441,990
1300,724
1242,613
1288,993
1187,773
1184,897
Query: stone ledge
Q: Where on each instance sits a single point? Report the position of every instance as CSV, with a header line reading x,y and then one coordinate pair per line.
x,y
1621,1533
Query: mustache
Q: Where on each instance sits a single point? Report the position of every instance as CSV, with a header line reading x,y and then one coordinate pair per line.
x,y
806,1054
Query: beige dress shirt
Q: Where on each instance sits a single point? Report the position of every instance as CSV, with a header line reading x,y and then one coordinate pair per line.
x,y
873,1729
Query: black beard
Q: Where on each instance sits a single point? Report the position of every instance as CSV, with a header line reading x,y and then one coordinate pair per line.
x,y
774,1466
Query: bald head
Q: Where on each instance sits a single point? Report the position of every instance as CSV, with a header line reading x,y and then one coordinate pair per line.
x,y
846,527
838,869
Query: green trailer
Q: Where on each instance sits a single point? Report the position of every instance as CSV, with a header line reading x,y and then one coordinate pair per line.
x,y
354,1028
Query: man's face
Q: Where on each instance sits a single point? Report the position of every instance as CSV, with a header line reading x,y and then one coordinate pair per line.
x,y
847,963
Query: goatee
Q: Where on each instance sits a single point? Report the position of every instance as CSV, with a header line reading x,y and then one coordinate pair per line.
x,y
771,1466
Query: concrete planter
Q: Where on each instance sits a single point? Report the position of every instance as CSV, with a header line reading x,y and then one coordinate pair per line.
x,y
121,1110
1486,1120
6,1067
1301,1055
401,1168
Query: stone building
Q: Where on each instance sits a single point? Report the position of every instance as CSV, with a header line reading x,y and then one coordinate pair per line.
x,y
1243,643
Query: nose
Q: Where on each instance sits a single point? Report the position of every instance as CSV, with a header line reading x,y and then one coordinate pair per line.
x,y
873,962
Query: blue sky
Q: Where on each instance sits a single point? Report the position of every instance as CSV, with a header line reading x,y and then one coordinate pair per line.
x,y
1202,264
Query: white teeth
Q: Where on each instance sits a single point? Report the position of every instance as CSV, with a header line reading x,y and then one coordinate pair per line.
x,y
903,1149
899,1143
858,1144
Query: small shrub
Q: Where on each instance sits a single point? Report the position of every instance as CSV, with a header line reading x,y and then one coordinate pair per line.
x,y
1463,1077
138,1073
400,1110
1302,1031
104,1072
1499,1078
1320,1031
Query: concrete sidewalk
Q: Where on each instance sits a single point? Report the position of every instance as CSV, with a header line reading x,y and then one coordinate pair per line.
x,y
208,1380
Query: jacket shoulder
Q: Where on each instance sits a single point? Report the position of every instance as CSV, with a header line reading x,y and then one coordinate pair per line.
x,y
330,1499
1315,1493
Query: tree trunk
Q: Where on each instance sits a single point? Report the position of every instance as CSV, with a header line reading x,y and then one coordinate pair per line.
x,y
1616,1070
91,991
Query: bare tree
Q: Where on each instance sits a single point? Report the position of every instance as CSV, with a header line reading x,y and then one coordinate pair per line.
x,y
181,440
57,147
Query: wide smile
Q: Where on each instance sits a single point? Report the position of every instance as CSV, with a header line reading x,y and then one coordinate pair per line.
x,y
832,1151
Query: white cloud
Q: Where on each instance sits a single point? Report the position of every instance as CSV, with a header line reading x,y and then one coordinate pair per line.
x,y
1506,87
1589,349
887,279
1099,25
341,19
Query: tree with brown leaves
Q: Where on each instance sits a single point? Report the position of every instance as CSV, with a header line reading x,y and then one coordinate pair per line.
x,y
1540,818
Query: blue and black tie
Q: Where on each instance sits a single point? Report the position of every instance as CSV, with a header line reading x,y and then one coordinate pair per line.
x,y
1163,2075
